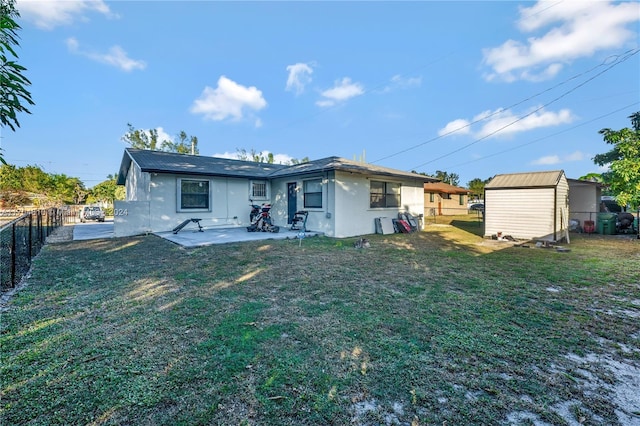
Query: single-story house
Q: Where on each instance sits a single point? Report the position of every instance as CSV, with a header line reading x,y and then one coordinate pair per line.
x,y
584,200
441,198
342,197
527,205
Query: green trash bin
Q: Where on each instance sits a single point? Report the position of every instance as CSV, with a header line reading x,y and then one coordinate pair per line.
x,y
607,223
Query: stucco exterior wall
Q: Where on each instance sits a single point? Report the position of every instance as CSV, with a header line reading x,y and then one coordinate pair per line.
x,y
319,219
137,184
444,206
229,203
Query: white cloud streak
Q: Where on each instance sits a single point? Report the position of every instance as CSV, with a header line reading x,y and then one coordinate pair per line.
x,y
556,159
560,33
342,91
299,76
115,56
47,15
501,123
229,100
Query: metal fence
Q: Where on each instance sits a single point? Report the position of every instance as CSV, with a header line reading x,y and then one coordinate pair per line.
x,y
22,238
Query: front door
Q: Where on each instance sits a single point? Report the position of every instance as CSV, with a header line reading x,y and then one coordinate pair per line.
x,y
292,201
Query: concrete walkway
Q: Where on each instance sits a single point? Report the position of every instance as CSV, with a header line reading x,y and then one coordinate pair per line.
x,y
93,230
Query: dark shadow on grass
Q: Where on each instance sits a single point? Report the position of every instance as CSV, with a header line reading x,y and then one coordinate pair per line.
x,y
473,227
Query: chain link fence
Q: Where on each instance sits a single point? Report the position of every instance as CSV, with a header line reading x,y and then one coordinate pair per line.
x,y
22,238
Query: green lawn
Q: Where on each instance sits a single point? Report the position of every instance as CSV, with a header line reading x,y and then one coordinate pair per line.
x,y
438,327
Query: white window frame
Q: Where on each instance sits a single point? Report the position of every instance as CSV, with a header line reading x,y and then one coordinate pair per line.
x,y
385,193
304,193
252,186
179,206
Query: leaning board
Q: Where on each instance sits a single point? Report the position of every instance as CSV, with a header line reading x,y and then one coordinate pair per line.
x,y
384,225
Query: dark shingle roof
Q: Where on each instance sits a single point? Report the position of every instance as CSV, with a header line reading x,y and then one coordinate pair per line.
x,y
338,163
166,162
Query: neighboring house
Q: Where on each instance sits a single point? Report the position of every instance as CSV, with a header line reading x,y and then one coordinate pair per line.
x,y
342,197
443,199
584,200
527,205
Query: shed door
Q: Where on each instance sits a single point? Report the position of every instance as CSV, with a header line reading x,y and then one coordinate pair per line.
x,y
292,201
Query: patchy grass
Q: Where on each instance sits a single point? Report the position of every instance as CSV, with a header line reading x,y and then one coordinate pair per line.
x,y
440,326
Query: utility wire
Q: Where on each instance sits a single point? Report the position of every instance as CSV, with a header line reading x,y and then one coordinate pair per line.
x,y
617,62
545,137
626,55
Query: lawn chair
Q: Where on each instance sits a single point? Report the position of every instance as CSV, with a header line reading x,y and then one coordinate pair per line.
x,y
299,221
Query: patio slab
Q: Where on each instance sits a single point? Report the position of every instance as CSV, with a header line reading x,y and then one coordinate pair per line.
x,y
210,236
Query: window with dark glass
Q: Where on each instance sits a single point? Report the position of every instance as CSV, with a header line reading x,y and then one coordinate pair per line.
x,y
384,194
194,194
313,193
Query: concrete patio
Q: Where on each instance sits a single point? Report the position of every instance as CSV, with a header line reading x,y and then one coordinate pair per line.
x,y
191,236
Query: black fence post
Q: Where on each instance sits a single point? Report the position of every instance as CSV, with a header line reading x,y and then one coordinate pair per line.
x,y
13,255
30,246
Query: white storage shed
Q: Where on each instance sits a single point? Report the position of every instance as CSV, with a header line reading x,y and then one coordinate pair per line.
x,y
527,205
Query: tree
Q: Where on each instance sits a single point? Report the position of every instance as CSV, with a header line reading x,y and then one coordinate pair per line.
x,y
186,144
623,177
476,186
107,191
255,156
295,161
148,139
450,178
13,83
32,181
141,139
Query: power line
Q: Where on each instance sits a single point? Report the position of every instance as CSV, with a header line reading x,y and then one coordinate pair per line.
x,y
545,137
617,62
618,59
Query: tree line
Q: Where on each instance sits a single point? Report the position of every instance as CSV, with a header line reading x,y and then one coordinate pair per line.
x,y
31,186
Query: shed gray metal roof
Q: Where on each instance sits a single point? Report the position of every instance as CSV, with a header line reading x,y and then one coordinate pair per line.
x,y
526,180
166,162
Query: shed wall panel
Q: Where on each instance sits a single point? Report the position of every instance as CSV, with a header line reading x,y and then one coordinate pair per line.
x,y
520,213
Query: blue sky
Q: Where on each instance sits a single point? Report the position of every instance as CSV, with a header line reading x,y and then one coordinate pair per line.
x,y
473,88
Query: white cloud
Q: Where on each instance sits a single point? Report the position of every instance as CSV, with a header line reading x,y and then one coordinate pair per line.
x,y
556,159
459,126
342,91
574,29
398,82
228,100
299,77
503,122
116,56
49,14
547,161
